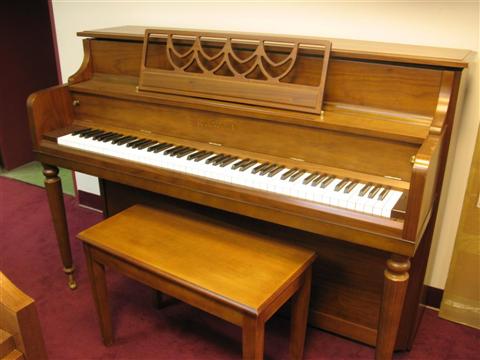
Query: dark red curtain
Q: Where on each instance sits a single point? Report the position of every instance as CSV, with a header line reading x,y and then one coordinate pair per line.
x,y
27,64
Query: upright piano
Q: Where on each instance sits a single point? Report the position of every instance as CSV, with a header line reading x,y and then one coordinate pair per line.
x,y
338,145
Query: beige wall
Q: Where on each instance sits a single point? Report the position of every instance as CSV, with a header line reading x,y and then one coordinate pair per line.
x,y
461,299
443,24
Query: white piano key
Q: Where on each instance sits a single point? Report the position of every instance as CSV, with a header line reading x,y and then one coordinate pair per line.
x,y
394,196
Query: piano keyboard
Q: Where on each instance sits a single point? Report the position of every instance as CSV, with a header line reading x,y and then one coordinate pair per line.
x,y
319,187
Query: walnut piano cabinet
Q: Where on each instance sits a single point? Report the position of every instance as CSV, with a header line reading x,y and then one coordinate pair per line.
x,y
371,112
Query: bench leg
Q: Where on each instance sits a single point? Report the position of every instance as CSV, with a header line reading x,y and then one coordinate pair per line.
x,y
96,272
253,338
298,326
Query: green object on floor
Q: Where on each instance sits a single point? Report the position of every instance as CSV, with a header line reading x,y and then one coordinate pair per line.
x,y
31,173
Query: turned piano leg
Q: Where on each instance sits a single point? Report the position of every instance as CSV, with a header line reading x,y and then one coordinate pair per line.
x,y
53,185
394,290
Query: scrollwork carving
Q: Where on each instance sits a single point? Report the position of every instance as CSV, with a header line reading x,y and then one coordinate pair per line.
x,y
227,56
236,67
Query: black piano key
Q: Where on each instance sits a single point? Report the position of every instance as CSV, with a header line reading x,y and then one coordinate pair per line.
x,y
186,149
133,141
297,175
186,152
260,167
112,138
289,173
214,158
240,163
172,149
140,143
115,141
327,181
196,154
204,156
147,144
267,169
350,187
87,132
81,131
94,137
97,135
384,193
103,136
178,150
136,144
374,192
228,161
310,178
365,189
166,146
248,165
276,171
220,159
319,179
342,184
126,140
120,139
91,133
153,147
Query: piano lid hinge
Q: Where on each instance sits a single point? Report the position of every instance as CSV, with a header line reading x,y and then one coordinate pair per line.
x,y
76,102
296,159
216,144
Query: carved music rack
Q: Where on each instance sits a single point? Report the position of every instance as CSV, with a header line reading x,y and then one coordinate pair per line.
x,y
252,69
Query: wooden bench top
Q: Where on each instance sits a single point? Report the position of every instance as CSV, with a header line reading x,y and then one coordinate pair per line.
x,y
234,265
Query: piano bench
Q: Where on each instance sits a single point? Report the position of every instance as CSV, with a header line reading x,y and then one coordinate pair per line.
x,y
234,274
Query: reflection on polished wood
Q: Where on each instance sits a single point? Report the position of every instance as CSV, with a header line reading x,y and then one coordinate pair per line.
x,y
382,106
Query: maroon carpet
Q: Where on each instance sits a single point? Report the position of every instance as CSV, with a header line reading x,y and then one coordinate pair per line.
x,y
29,257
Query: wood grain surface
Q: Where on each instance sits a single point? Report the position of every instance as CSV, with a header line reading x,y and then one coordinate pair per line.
x,y
195,249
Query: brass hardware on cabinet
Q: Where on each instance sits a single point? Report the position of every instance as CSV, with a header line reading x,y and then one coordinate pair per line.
x,y
412,159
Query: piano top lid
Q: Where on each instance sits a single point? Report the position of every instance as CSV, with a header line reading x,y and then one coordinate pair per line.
x,y
414,54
